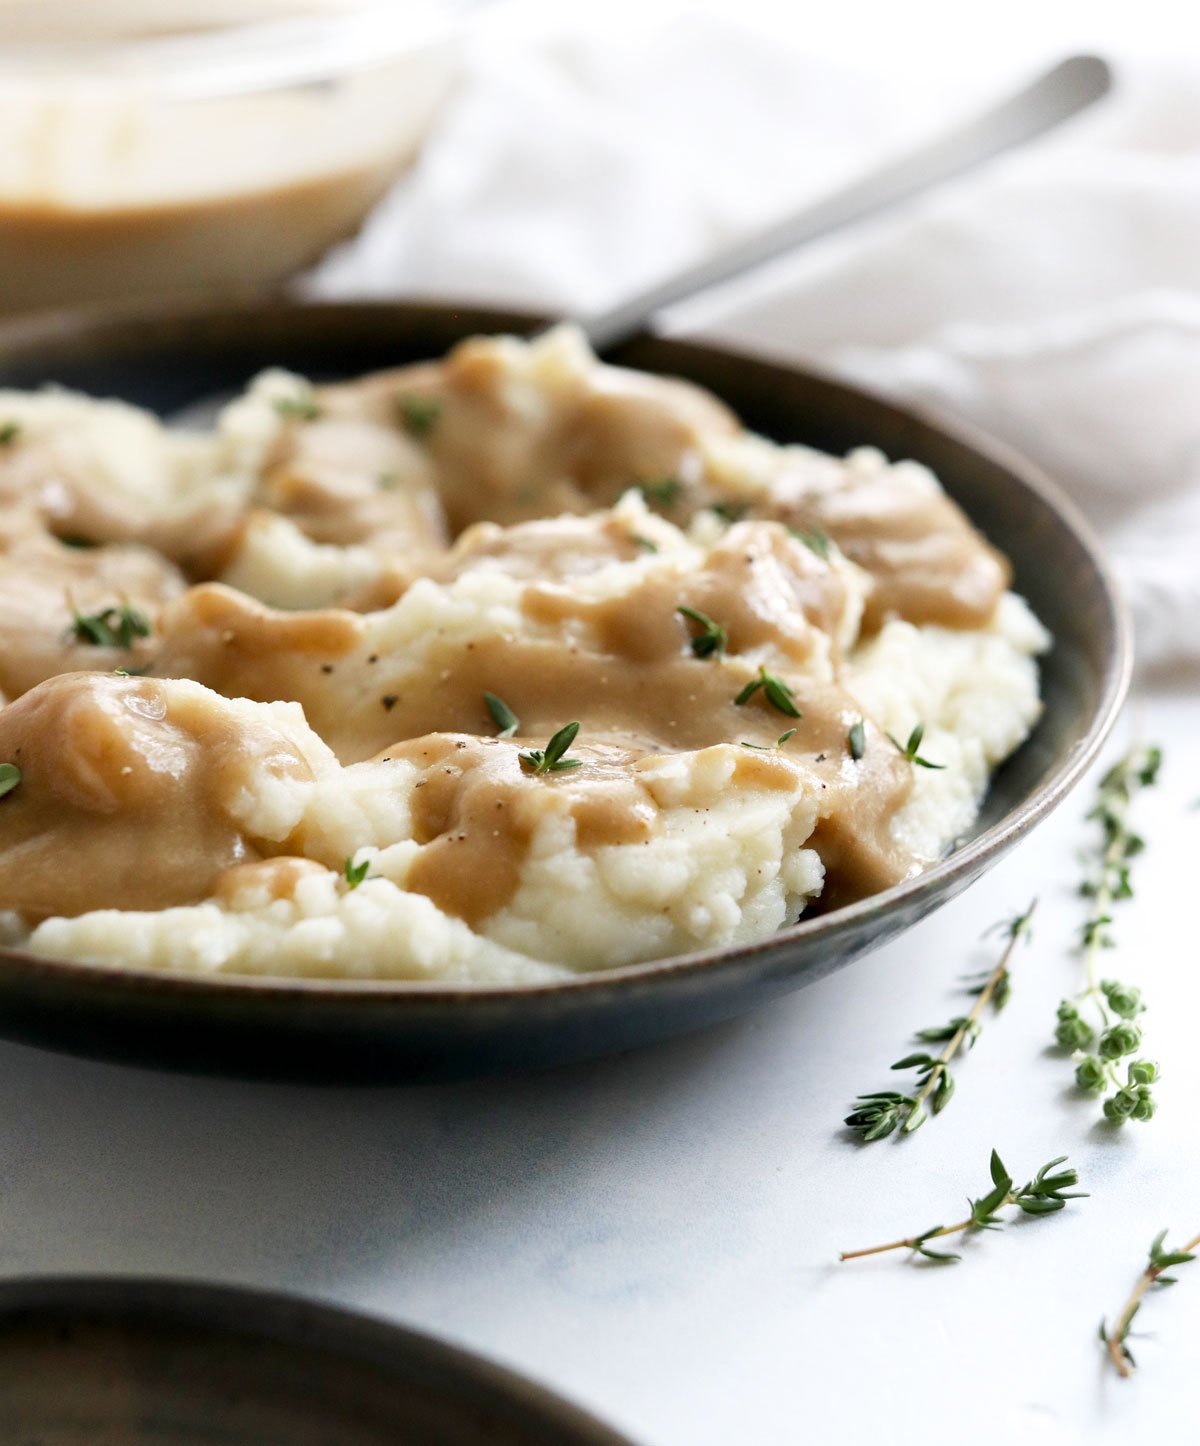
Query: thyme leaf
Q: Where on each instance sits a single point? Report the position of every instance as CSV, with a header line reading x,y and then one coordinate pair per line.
x,y
661,491
505,719
299,409
9,432
10,776
775,690
815,541
771,747
712,640
118,626
355,873
910,749
857,739
418,415
550,759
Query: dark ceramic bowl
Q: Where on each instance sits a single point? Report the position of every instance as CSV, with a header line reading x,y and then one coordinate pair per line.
x,y
344,1030
154,1362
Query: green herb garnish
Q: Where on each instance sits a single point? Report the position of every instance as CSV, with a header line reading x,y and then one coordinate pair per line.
x,y
776,691
83,544
9,432
1116,1341
730,511
878,1114
506,720
299,409
857,739
418,415
816,542
771,747
10,776
910,749
550,759
1045,1194
713,639
662,491
112,627
355,873
643,542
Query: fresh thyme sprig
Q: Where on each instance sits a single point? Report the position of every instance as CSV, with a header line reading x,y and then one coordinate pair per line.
x,y
550,759
912,747
418,415
1110,1035
10,776
506,720
1116,1341
1045,1194
118,626
775,690
712,641
880,1113
771,747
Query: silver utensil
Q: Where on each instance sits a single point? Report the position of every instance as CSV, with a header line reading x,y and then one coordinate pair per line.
x,y
1054,97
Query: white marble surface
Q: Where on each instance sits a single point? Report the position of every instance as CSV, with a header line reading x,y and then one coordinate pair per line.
x,y
656,1235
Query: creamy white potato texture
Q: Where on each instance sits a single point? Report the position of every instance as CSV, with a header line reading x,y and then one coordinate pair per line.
x,y
486,670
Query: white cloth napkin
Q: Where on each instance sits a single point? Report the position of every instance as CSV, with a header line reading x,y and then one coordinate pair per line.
x,y
1053,298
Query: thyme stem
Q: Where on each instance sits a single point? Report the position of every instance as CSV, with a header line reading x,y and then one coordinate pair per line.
x,y
967,1025
1160,1262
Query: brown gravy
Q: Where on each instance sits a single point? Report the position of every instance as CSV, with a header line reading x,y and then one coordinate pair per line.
x,y
128,787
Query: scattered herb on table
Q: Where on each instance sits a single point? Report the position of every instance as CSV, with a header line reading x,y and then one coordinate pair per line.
x,y
712,640
911,749
10,776
1099,1042
111,627
550,759
1116,1340
418,415
505,719
775,690
1046,1194
880,1113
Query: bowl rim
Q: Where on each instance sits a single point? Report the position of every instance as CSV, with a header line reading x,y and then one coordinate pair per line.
x,y
961,863
233,1309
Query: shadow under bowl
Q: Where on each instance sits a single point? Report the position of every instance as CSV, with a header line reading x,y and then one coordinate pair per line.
x,y
166,358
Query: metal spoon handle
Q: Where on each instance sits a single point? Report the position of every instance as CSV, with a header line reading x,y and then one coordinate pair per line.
x,y
1053,97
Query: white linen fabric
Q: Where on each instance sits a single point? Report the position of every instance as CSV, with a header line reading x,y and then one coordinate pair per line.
x,y
1052,298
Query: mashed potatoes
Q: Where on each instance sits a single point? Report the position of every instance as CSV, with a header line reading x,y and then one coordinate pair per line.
x,y
300,696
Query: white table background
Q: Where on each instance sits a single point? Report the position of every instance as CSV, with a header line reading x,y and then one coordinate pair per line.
x,y
656,1235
